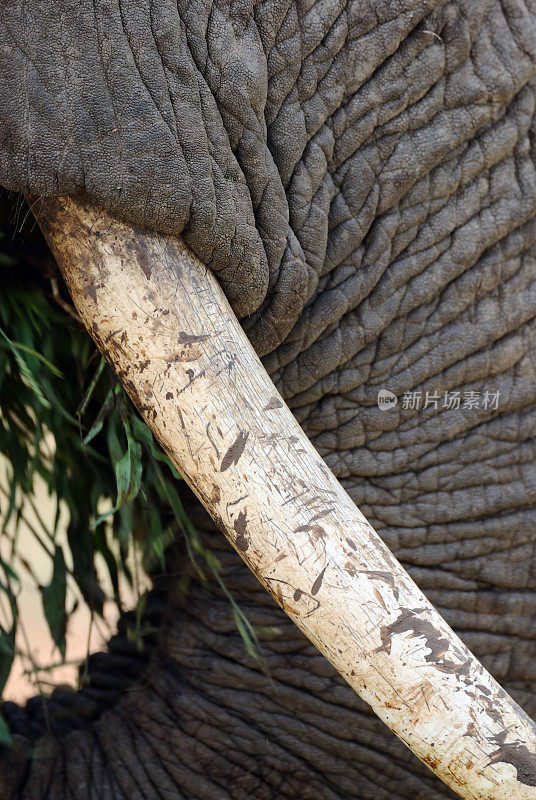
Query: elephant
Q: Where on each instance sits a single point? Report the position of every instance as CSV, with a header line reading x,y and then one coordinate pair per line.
x,y
359,176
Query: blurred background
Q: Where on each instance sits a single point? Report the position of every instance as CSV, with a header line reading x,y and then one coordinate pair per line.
x,y
38,665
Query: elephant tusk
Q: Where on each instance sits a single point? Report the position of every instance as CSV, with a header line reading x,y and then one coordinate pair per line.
x,y
162,321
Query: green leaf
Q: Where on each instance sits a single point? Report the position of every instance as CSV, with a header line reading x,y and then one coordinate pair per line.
x,y
122,477
247,632
128,472
91,388
5,736
143,433
10,572
7,637
106,408
54,601
14,346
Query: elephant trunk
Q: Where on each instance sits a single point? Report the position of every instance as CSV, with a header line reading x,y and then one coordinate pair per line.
x,y
162,321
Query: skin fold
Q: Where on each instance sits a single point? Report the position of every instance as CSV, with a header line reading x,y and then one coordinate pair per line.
x,y
360,177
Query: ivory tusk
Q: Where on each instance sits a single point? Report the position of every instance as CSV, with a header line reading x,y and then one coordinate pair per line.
x,y
161,319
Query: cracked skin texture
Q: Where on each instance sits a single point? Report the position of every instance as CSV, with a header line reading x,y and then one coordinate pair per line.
x,y
361,178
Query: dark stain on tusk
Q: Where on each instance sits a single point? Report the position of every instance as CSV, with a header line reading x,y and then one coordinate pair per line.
x,y
232,456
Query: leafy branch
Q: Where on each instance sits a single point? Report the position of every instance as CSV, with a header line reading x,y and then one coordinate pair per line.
x,y
65,418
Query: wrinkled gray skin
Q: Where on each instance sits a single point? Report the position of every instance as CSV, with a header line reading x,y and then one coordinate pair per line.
x,y
360,176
